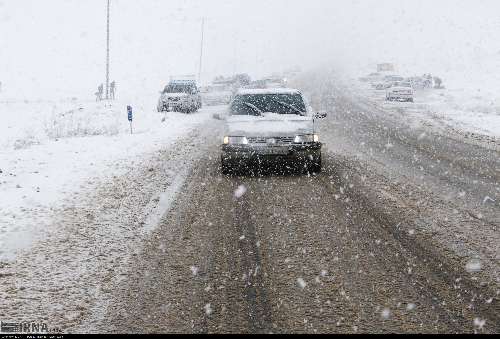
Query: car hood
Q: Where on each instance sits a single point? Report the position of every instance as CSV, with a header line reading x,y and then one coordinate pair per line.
x,y
269,125
174,95
401,89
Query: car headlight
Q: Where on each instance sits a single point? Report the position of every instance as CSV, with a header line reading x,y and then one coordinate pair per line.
x,y
308,138
235,140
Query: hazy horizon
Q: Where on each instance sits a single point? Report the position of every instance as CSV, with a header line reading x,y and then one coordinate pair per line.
x,y
57,47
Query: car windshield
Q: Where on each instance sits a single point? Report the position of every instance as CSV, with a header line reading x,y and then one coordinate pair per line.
x,y
178,88
253,104
401,84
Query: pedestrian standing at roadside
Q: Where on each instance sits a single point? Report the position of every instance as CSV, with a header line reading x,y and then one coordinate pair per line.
x,y
100,91
112,90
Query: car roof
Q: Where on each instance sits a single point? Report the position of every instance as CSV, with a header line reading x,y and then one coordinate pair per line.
x,y
268,91
182,82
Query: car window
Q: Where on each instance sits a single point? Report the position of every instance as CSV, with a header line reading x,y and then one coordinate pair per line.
x,y
251,104
175,88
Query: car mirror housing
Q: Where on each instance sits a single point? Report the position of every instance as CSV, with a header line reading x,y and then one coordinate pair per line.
x,y
218,116
320,115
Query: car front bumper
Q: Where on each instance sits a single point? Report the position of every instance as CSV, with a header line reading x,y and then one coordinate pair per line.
x,y
247,155
402,96
172,105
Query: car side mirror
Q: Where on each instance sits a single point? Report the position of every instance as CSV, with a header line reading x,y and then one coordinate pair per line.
x,y
320,115
218,116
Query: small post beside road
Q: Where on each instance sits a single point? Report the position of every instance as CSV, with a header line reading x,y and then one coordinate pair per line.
x,y
130,117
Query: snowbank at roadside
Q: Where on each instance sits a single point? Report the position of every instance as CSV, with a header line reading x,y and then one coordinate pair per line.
x,y
458,109
466,111
51,149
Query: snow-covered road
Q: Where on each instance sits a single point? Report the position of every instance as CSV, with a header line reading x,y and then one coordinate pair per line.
x,y
398,234
49,172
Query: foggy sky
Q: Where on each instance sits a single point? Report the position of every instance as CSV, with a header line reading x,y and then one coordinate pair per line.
x,y
57,47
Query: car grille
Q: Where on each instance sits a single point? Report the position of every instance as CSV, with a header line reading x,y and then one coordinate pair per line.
x,y
278,140
174,99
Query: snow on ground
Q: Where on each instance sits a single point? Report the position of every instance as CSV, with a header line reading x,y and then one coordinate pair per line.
x,y
470,112
51,149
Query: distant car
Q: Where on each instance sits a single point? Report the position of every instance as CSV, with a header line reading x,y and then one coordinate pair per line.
x,y
387,82
371,78
180,96
419,82
216,95
400,91
271,126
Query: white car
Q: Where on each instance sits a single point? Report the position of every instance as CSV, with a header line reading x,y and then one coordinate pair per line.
x,y
180,96
387,82
215,95
400,91
271,126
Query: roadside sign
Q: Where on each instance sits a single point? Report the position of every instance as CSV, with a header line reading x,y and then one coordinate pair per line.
x,y
130,117
129,112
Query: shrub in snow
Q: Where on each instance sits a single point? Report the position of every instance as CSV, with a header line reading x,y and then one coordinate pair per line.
x,y
79,122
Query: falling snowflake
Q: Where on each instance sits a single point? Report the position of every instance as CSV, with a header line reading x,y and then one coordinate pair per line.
x,y
240,191
479,323
410,307
194,270
386,313
208,309
301,282
473,266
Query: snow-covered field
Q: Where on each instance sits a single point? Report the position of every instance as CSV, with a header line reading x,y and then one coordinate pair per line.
x,y
464,110
50,150
470,112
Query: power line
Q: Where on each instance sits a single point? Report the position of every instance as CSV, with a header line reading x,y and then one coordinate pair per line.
x,y
107,53
201,49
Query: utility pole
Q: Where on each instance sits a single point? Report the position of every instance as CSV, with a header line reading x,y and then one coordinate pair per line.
x,y
201,49
107,55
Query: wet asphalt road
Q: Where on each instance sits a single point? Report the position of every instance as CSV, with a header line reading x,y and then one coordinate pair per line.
x,y
369,245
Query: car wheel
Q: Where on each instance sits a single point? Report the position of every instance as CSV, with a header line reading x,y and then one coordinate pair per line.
x,y
225,168
315,166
